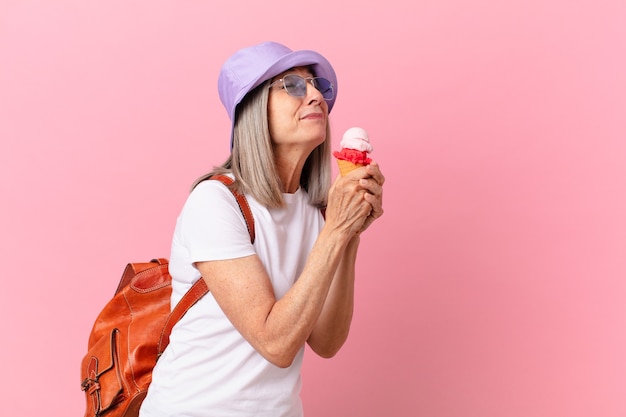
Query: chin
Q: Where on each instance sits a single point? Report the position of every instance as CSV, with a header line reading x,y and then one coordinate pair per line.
x,y
319,139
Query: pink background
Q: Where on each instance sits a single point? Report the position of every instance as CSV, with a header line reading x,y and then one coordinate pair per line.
x,y
493,286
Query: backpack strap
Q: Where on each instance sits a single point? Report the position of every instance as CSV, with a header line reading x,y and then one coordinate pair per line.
x,y
242,201
199,289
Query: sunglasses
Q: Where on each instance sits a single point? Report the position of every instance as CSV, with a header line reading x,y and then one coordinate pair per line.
x,y
295,85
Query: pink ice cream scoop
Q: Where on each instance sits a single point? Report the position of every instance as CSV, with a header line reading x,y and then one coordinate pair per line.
x,y
355,147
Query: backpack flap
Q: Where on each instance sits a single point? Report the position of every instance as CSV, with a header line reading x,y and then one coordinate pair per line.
x,y
101,371
132,269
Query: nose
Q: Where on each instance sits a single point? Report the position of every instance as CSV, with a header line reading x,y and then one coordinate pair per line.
x,y
312,93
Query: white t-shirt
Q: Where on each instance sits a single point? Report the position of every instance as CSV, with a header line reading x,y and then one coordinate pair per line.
x,y
209,369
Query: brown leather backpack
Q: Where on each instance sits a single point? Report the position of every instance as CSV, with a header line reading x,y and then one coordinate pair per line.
x,y
133,330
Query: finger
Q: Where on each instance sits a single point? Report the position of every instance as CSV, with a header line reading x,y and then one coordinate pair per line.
x,y
371,185
373,170
376,205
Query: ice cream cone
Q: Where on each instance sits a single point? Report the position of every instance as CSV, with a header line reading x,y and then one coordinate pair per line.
x,y
346,166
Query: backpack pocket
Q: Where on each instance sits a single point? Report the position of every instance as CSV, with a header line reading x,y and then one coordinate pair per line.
x,y
102,381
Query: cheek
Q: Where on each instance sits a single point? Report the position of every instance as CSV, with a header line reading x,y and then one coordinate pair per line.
x,y
278,117
272,116
278,126
324,106
273,120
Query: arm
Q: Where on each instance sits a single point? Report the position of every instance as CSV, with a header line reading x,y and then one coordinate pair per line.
x,y
332,328
333,325
278,329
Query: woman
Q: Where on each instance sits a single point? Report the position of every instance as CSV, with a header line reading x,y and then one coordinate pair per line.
x,y
238,352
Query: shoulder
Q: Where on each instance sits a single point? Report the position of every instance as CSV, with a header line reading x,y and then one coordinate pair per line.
x,y
210,199
210,190
211,217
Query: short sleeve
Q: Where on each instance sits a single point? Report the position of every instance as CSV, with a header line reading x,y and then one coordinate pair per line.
x,y
211,225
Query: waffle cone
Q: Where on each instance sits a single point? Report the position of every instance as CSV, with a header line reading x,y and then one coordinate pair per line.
x,y
346,166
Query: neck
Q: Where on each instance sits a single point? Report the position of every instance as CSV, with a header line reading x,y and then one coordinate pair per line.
x,y
289,177
289,169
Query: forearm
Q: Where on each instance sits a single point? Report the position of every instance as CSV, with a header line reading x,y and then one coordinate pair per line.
x,y
333,324
293,318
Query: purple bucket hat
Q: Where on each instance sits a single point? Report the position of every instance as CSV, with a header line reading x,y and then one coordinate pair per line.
x,y
250,67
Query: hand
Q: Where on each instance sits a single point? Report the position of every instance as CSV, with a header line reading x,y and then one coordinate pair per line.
x,y
373,185
355,200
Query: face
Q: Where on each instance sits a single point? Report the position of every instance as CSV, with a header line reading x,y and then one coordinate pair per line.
x,y
297,123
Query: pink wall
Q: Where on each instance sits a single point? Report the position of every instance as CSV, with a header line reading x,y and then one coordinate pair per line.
x,y
493,286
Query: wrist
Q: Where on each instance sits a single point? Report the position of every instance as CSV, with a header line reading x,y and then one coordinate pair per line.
x,y
353,244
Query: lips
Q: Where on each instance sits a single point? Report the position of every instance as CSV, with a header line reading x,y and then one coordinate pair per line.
x,y
313,116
